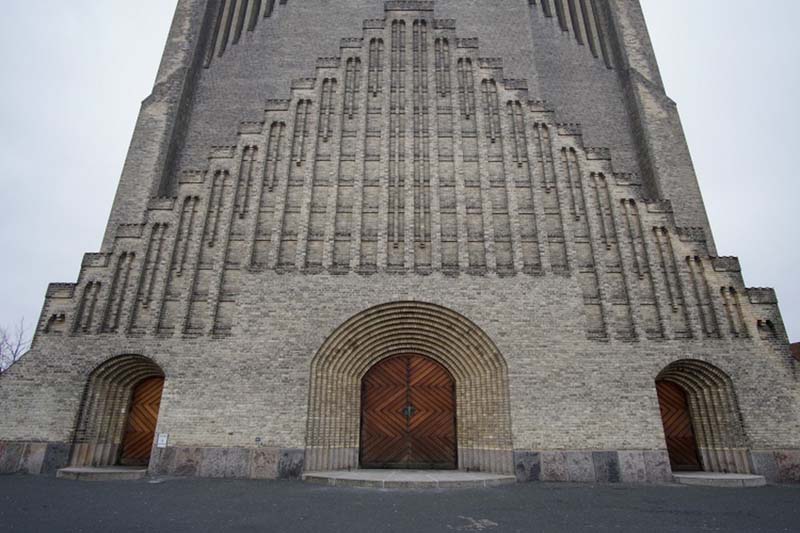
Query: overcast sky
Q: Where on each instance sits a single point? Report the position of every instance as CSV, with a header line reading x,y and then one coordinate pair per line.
x,y
74,74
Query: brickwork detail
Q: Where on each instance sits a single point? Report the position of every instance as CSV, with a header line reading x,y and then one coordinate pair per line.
x,y
715,415
233,19
414,182
481,375
103,413
410,176
581,18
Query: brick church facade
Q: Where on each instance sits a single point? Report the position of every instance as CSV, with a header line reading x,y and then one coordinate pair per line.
x,y
456,234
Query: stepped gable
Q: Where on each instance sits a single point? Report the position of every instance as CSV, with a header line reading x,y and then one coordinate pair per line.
x,y
409,152
410,259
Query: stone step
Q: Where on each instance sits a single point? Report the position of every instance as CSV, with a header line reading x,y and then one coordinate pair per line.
x,y
111,473
408,479
717,479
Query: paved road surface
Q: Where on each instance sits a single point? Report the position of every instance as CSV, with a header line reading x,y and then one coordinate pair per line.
x,y
31,504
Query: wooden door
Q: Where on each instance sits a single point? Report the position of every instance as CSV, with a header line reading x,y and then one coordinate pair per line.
x,y
141,428
408,415
681,442
384,429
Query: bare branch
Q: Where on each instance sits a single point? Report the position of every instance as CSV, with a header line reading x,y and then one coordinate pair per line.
x,y
13,345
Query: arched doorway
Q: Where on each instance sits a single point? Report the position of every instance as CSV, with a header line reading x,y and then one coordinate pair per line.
x,y
678,430
118,414
700,414
482,397
408,415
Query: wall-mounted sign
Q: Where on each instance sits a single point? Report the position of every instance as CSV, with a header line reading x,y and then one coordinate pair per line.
x,y
163,438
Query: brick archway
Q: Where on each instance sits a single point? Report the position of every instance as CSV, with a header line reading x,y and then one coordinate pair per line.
x,y
715,419
103,421
479,370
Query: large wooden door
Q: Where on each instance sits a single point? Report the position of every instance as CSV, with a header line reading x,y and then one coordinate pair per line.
x,y
408,415
681,442
141,428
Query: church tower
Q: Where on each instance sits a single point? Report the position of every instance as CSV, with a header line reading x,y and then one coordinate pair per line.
x,y
456,234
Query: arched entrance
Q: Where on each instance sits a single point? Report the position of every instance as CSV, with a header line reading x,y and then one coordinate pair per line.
x,y
408,415
483,413
678,430
702,425
118,414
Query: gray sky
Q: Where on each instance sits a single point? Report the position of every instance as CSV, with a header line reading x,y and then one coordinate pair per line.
x,y
75,73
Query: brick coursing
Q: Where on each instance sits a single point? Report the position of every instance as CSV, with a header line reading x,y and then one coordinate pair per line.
x,y
282,188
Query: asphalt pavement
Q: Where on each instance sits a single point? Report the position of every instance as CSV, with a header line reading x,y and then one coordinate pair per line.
x,y
34,504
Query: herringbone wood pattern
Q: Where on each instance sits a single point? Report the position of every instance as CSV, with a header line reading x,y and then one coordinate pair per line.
x,y
408,415
142,419
681,442
384,430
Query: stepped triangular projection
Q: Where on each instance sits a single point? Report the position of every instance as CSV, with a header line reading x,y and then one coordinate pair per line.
x,y
407,153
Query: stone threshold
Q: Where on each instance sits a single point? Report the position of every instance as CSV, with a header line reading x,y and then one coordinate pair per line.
x,y
109,473
717,479
408,479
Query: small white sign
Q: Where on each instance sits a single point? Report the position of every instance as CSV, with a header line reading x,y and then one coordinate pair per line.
x,y
163,438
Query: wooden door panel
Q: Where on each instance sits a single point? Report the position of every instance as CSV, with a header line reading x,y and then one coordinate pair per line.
x,y
408,415
431,428
142,418
678,430
384,429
